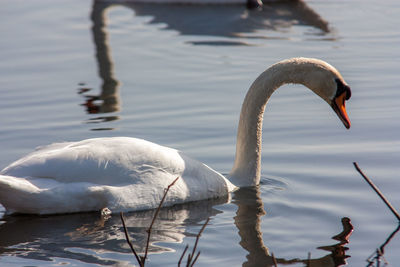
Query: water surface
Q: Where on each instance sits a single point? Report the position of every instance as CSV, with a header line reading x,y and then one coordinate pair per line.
x,y
177,75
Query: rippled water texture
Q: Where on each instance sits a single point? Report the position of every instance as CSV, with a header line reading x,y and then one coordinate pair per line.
x,y
176,75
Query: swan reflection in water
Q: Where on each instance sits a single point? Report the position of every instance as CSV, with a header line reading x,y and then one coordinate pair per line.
x,y
248,222
232,21
228,20
108,101
90,239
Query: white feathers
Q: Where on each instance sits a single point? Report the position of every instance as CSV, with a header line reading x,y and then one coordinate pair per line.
x,y
119,173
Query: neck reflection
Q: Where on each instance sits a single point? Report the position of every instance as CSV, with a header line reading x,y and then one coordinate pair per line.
x,y
248,221
109,98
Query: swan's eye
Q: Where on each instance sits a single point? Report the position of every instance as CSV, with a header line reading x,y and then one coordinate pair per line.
x,y
341,88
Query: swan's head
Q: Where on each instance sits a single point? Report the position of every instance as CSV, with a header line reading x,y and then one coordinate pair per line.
x,y
328,83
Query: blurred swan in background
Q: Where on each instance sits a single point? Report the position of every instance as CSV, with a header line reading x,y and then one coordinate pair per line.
x,y
227,20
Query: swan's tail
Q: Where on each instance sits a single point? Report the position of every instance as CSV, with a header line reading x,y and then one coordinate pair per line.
x,y
16,194
46,196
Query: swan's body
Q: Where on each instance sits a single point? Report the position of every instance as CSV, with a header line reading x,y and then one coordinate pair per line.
x,y
124,173
120,173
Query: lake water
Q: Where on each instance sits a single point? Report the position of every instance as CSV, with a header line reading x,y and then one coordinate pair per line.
x,y
176,75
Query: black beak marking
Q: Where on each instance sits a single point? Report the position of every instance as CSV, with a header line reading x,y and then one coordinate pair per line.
x,y
341,88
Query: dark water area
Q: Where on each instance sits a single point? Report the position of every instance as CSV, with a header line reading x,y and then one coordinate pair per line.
x,y
176,75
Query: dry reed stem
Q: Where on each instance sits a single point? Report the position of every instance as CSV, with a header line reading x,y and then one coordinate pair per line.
x,y
183,254
382,247
377,191
191,260
191,255
274,260
378,254
142,260
154,219
198,236
129,241
195,259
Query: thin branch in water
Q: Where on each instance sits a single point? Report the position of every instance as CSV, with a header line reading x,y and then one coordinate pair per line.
x,y
274,260
191,259
154,219
183,254
141,260
129,241
198,236
377,191
378,254
382,247
195,259
377,257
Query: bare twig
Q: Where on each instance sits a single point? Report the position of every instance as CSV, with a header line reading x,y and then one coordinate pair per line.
x,y
154,219
129,241
378,254
142,260
183,254
191,259
195,259
377,191
198,236
382,247
274,260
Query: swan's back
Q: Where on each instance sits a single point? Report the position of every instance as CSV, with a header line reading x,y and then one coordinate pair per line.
x,y
107,161
120,173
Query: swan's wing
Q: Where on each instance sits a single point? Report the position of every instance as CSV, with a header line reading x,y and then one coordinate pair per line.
x,y
104,161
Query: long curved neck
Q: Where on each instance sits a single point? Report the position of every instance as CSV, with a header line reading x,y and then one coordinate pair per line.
x,y
247,166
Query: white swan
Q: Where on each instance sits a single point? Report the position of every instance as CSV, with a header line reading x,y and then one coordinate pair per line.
x,y
124,173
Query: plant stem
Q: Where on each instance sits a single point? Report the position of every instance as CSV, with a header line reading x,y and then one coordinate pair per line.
x,y
377,191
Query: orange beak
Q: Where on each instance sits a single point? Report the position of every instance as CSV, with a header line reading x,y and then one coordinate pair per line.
x,y
339,106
